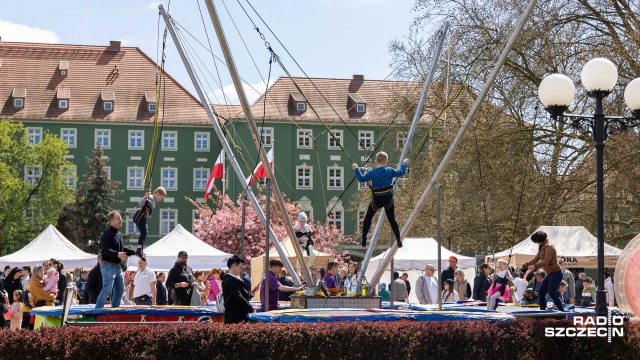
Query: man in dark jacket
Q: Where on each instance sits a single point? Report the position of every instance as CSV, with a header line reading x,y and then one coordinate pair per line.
x,y
161,290
94,283
235,294
449,273
81,285
481,283
181,280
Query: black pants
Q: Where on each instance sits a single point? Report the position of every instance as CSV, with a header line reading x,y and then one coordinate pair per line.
x,y
26,321
143,300
378,202
144,230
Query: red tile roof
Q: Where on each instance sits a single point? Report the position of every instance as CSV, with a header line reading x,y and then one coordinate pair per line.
x,y
228,111
92,71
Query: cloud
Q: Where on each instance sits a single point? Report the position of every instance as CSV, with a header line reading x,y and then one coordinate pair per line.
x,y
253,92
23,33
153,5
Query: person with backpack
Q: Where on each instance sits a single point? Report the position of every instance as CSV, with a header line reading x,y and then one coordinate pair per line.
x,y
235,297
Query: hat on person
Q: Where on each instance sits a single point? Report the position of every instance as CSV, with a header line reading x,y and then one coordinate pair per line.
x,y
383,286
453,258
302,217
235,259
182,252
450,282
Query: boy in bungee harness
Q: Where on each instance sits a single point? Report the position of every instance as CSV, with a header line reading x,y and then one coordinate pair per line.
x,y
381,178
147,203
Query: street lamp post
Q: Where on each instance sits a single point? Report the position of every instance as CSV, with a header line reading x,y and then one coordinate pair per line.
x,y
556,93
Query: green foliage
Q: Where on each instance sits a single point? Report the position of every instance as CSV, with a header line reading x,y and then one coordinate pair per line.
x,y
28,206
85,220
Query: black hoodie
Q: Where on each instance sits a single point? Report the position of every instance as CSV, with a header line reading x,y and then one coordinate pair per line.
x,y
236,300
11,284
178,274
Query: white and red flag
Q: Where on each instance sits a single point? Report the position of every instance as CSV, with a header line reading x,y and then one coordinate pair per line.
x,y
216,173
260,172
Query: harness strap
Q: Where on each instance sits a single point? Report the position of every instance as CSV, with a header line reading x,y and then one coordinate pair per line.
x,y
381,191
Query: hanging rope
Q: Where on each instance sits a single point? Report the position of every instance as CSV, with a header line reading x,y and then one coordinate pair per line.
x,y
484,200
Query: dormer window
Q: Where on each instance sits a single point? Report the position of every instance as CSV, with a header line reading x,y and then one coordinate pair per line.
x,y
108,98
357,103
63,95
150,98
18,95
64,68
361,108
299,102
301,106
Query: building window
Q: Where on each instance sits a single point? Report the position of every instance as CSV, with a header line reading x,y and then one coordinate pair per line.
x,y
336,218
361,214
304,177
34,135
401,139
136,139
131,226
266,136
365,138
63,104
152,107
107,106
169,140
32,174
335,178
18,103
363,185
202,141
170,178
305,138
70,175
361,108
301,106
107,170
103,139
69,137
333,144
168,220
134,178
200,178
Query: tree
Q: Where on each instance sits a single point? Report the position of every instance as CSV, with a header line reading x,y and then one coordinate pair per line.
x,y
33,184
85,220
220,226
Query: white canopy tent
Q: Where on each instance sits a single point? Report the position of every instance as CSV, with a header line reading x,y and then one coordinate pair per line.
x,y
576,246
50,244
414,256
162,255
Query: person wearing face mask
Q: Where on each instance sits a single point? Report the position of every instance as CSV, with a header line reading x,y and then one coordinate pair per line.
x,y
181,280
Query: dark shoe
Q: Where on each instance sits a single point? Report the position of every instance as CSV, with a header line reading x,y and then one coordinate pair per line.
x,y
399,242
140,254
364,243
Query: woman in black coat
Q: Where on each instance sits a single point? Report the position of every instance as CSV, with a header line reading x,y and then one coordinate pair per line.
x,y
13,282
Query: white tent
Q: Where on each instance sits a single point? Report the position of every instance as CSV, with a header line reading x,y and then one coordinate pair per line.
x,y
576,246
50,244
162,255
414,256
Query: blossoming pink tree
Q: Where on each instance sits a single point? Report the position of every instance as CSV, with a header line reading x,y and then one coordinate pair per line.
x,y
220,226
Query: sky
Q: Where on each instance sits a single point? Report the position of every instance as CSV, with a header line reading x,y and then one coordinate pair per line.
x,y
328,38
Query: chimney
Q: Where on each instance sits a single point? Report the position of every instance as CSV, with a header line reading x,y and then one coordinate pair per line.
x,y
114,46
358,79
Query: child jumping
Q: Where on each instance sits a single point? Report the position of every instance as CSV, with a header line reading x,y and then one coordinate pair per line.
x,y
147,203
381,178
500,286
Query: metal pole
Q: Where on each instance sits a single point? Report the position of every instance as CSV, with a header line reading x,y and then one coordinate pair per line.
x,y
266,251
244,216
439,228
392,293
277,194
225,144
452,148
599,136
406,148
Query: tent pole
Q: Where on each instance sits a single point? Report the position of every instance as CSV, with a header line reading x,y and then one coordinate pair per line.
x,y
392,292
456,141
266,249
244,216
216,122
439,246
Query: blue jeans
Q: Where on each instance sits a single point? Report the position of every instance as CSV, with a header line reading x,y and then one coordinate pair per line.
x,y
111,279
144,230
550,286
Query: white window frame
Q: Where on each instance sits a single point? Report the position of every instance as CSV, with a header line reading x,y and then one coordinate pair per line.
x,y
18,103
31,138
107,169
363,185
141,132
339,135
263,138
301,108
107,105
95,143
70,173
129,169
131,226
167,148
72,134
340,178
336,205
402,136
196,179
306,135
308,177
361,135
63,104
32,178
175,179
361,108
152,107
361,214
208,140
162,220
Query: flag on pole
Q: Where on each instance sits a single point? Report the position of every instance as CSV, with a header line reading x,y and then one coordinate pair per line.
x,y
260,172
216,173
